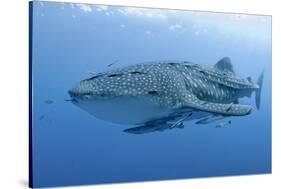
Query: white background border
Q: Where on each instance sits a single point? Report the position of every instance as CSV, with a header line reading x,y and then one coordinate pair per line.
x,y
14,93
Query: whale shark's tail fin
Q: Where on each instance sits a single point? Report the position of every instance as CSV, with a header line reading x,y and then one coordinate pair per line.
x,y
258,91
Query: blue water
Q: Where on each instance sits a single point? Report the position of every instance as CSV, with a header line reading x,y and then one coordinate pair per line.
x,y
71,147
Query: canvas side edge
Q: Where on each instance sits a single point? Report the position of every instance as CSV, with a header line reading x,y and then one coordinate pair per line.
x,y
30,142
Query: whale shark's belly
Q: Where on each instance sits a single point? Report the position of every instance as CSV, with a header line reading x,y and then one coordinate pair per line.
x,y
124,110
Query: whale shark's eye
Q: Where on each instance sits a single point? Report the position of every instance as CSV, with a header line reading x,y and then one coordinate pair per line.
x,y
153,92
114,75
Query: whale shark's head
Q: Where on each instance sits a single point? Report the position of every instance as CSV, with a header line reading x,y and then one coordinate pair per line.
x,y
121,96
111,85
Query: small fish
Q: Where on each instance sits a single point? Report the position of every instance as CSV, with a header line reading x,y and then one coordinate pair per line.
x,y
46,119
49,101
179,123
112,63
41,117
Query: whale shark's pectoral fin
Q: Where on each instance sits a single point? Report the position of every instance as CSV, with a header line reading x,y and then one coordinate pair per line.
x,y
162,124
218,108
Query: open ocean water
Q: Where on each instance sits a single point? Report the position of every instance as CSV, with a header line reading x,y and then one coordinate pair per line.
x,y
72,147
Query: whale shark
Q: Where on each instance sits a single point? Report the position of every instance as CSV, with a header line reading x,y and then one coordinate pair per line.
x,y
163,95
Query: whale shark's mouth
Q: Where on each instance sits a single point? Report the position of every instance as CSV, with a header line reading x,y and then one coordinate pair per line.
x,y
79,95
88,95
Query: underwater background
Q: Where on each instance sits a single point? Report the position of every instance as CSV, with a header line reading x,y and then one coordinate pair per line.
x,y
72,147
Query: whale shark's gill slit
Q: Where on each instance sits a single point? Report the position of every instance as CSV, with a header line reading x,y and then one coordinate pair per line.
x,y
136,72
115,75
94,77
173,63
203,72
153,93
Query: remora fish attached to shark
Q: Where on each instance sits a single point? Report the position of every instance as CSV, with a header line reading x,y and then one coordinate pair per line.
x,y
161,95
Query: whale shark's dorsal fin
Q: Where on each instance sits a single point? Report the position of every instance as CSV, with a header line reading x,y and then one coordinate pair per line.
x,y
224,65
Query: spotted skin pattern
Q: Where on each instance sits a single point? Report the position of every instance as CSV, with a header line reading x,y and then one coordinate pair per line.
x,y
173,84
